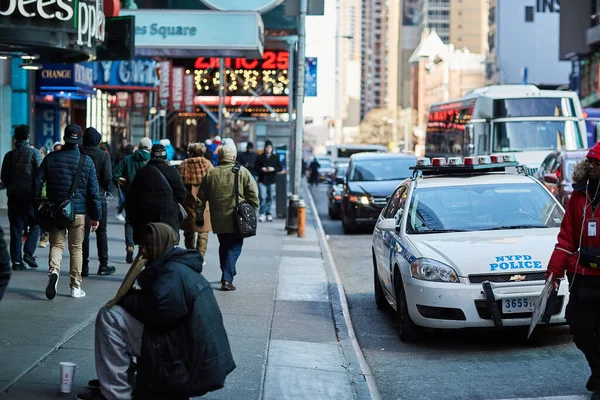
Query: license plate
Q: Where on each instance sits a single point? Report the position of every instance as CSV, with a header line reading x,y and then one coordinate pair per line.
x,y
518,305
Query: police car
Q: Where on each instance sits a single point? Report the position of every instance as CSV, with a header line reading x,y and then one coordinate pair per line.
x,y
465,243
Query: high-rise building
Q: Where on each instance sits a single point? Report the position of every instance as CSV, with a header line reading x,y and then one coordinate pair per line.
x,y
435,16
469,24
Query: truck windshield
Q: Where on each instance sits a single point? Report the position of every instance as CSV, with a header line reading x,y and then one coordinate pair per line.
x,y
482,207
516,136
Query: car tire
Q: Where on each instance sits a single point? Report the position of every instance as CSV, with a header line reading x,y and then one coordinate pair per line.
x,y
335,213
380,300
407,330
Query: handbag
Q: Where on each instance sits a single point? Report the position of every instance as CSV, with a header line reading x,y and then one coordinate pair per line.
x,y
244,214
183,215
51,217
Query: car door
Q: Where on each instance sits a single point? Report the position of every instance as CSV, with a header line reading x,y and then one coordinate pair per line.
x,y
389,239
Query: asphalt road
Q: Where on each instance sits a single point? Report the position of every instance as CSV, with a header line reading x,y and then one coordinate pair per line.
x,y
464,364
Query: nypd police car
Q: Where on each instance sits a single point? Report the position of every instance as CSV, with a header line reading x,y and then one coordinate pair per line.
x,y
465,243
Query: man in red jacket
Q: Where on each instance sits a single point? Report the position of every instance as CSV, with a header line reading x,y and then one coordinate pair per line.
x,y
578,253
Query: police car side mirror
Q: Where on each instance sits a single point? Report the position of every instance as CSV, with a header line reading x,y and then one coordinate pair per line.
x,y
387,225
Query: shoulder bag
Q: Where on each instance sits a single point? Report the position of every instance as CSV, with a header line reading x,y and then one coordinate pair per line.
x,y
183,215
244,214
62,216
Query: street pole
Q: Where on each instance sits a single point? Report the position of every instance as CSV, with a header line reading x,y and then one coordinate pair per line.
x,y
221,94
291,164
300,97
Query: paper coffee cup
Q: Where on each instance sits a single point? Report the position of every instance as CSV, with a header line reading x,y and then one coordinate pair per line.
x,y
67,374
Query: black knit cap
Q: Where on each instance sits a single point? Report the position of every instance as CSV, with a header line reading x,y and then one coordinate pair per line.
x,y
158,151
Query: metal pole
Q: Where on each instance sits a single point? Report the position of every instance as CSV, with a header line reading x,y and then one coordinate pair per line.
x,y
164,127
300,97
292,84
221,94
406,144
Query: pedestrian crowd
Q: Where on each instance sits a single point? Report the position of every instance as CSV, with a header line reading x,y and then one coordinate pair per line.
x,y
165,315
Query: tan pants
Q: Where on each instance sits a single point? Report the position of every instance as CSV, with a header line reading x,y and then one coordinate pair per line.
x,y
201,244
76,233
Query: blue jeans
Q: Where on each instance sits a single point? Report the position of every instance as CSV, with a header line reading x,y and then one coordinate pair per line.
x,y
22,221
230,248
266,198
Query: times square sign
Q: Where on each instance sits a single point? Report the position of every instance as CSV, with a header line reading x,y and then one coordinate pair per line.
x,y
86,19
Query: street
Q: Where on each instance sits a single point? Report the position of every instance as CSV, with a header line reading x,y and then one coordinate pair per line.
x,y
482,364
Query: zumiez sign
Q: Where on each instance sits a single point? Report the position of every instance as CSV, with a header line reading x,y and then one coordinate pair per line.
x,y
88,19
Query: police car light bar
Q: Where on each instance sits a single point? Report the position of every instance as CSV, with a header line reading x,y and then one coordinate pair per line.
x,y
458,165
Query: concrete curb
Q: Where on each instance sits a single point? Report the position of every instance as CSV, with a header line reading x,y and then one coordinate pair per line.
x,y
362,379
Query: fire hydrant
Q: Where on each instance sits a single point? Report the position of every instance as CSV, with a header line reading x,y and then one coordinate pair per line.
x,y
301,218
292,217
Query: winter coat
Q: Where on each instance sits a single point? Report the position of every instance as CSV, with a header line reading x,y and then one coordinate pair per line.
x,y
129,167
18,171
101,159
5,270
58,172
217,189
267,178
248,159
566,251
192,171
150,200
185,349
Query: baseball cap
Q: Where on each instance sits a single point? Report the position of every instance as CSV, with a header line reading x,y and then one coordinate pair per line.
x,y
145,143
73,134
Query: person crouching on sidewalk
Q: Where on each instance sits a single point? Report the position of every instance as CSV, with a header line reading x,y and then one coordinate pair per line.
x,y
578,253
173,326
217,189
192,171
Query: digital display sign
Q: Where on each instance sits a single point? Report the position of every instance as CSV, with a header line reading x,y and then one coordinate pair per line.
x,y
265,77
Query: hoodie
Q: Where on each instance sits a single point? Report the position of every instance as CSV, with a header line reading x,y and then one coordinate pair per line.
x,y
91,140
129,167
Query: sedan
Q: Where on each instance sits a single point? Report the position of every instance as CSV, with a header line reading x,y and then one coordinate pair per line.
x,y
556,173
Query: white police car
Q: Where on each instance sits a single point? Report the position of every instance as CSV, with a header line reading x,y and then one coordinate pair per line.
x,y
465,243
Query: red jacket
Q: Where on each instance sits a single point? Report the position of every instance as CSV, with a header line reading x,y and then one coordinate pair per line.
x,y
566,251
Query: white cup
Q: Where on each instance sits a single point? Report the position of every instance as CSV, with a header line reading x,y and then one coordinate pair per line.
x,y
67,374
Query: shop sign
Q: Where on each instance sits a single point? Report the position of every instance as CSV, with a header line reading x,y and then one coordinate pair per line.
x,y
86,19
65,76
177,89
189,92
164,86
138,72
139,101
122,100
46,124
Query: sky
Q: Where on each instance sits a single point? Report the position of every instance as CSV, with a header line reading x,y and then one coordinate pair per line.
x,y
320,43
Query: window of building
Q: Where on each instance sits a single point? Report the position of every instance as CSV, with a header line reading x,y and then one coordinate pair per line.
x,y
529,14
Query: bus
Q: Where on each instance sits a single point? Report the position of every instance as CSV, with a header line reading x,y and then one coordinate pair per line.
x,y
518,119
342,153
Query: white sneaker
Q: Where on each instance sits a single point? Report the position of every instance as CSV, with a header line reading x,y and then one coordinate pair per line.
x,y
77,293
269,218
203,263
120,217
261,218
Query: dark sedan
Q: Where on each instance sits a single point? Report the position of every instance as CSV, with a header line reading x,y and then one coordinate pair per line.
x,y
556,173
336,189
371,178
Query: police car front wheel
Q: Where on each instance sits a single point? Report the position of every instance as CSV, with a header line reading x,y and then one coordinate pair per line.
x,y
407,330
380,300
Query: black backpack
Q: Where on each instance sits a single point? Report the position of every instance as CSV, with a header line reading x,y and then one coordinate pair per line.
x,y
244,214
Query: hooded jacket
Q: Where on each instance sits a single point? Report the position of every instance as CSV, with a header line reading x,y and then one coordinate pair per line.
x,y
91,140
18,171
185,349
151,200
58,172
129,167
580,212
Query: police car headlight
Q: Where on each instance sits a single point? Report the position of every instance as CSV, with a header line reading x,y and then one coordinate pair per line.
x,y
433,271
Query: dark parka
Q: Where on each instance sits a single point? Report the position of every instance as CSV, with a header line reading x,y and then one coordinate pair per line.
x,y
18,171
129,167
267,178
5,270
58,171
101,159
185,349
150,200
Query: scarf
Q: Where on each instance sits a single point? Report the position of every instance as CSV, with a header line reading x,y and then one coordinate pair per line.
x,y
164,238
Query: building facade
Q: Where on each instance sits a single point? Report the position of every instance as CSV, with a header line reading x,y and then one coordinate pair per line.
x,y
523,43
469,25
435,15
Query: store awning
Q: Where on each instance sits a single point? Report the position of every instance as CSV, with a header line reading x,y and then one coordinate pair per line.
x,y
192,33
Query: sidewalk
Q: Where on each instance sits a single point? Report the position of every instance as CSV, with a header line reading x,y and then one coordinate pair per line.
x,y
284,322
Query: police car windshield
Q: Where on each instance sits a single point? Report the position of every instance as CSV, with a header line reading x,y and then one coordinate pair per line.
x,y
482,207
384,169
